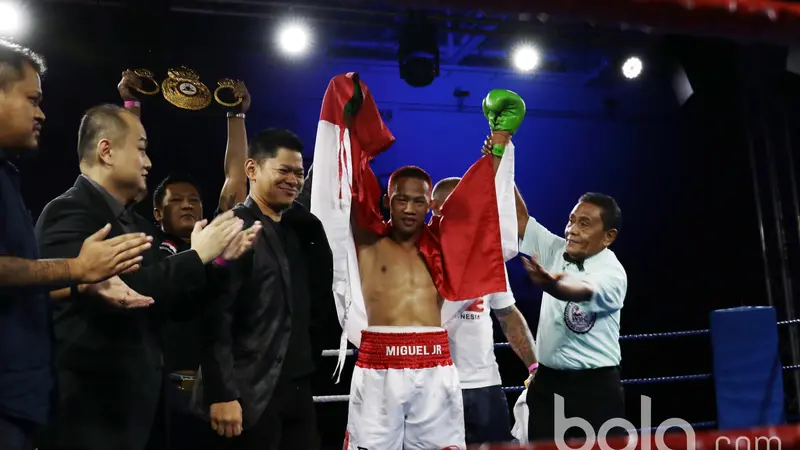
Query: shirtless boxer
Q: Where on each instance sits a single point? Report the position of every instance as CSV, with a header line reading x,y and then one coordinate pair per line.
x,y
391,407
405,391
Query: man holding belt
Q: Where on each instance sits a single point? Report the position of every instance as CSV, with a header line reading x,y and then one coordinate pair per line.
x,y
177,207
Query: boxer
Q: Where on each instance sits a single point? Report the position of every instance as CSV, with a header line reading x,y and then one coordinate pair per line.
x,y
405,391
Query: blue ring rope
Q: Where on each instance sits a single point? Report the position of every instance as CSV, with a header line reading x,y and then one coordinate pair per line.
x,y
627,337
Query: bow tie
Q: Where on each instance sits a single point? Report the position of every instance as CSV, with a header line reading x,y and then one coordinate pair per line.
x,y
571,260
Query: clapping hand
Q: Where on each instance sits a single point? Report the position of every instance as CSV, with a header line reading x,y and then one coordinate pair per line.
x,y
538,275
210,241
101,258
243,242
116,293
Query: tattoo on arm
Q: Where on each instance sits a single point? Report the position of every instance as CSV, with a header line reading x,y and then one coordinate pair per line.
x,y
517,332
32,272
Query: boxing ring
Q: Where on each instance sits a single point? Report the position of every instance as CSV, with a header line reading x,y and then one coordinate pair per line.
x,y
785,433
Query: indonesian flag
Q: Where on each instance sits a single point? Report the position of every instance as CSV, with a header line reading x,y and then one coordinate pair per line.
x,y
465,249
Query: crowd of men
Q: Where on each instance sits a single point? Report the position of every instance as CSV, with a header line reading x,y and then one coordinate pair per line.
x,y
115,334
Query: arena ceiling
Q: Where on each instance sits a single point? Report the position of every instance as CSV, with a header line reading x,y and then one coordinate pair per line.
x,y
577,37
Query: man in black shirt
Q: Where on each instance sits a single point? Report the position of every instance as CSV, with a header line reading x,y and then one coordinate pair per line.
x,y
177,206
262,332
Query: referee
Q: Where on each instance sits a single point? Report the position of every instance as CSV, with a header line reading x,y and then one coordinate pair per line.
x,y
584,287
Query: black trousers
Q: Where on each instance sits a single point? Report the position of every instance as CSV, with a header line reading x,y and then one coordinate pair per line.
x,y
486,417
288,423
186,431
591,396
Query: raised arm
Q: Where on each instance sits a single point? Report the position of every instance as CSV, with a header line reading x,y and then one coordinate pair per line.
x,y
126,88
235,188
522,209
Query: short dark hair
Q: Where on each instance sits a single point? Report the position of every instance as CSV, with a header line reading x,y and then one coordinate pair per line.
x,y
265,144
611,215
13,58
173,178
409,172
100,122
446,183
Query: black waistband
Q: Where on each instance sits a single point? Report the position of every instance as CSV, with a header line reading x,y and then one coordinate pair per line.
x,y
544,371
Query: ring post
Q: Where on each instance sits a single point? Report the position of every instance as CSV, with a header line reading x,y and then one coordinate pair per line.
x,y
747,367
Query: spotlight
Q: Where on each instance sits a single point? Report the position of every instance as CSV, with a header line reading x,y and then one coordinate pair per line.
x,y
525,58
418,53
632,68
293,38
10,19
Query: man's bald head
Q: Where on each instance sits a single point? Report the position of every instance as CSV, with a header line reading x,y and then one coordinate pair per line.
x,y
98,123
441,191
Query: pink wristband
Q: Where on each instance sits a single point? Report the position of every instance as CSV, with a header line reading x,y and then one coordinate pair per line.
x,y
132,104
221,262
533,367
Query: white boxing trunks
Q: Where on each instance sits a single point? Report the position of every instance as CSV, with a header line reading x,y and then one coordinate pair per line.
x,y
405,392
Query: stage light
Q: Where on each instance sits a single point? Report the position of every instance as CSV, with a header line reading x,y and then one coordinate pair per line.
x,y
10,19
525,58
632,68
418,52
293,38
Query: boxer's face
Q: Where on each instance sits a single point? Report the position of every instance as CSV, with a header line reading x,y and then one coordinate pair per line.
x,y
180,209
20,113
585,233
278,180
408,204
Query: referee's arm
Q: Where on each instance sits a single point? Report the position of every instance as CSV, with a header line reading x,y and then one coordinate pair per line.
x,y
602,290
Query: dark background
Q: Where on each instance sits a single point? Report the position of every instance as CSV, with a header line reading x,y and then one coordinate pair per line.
x,y
683,174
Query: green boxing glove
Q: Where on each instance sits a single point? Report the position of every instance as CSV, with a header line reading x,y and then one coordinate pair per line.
x,y
505,111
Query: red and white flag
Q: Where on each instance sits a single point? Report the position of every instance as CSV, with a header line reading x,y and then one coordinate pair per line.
x,y
465,252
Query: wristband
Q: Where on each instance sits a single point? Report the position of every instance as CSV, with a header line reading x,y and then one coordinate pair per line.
x,y
498,150
221,262
533,367
239,115
132,104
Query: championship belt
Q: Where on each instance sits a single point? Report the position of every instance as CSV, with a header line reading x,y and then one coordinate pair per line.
x,y
183,88
145,74
226,84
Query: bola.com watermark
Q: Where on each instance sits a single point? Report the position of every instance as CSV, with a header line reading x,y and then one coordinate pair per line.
x,y
562,424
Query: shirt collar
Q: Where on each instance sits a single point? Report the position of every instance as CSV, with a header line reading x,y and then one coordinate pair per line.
x,y
116,207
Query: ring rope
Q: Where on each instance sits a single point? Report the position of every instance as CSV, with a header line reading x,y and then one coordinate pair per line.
x,y
651,380
627,337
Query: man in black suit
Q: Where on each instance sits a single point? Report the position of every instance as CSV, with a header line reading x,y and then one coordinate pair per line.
x,y
110,362
263,331
26,364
